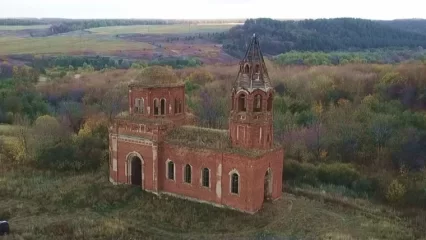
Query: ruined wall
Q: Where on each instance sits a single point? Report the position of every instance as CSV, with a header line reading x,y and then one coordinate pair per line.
x,y
273,161
127,146
149,94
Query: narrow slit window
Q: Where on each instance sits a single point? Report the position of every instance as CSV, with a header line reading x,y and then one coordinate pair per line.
x,y
257,106
234,183
187,174
156,107
163,106
206,177
171,170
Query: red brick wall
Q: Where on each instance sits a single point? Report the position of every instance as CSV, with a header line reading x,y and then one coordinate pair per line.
x,y
245,126
149,94
242,165
274,161
251,173
123,149
198,160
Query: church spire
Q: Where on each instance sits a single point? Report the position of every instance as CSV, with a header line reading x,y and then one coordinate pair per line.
x,y
253,73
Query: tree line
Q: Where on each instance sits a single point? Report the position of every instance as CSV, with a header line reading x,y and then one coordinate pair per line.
x,y
339,34
380,56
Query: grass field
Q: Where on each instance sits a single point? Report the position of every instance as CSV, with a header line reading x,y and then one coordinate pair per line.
x,y
8,133
4,27
163,29
45,205
65,44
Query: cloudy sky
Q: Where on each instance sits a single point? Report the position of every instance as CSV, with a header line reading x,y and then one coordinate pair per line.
x,y
208,9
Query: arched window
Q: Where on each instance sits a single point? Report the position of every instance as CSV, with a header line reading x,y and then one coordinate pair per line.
x,y
187,173
269,105
246,68
170,170
163,106
234,183
242,103
139,105
205,177
257,69
156,107
257,106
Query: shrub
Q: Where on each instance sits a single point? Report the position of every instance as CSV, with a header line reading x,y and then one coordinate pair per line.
x,y
395,191
301,172
338,174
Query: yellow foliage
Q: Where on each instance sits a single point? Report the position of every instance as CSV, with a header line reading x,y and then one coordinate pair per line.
x,y
92,123
342,102
323,154
14,152
395,191
391,78
318,108
201,77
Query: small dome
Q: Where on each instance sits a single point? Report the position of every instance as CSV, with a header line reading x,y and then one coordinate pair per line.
x,y
157,76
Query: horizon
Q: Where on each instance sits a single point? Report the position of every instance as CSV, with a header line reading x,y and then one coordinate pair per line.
x,y
209,9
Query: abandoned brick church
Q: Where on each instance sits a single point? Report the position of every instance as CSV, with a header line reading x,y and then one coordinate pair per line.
x,y
154,146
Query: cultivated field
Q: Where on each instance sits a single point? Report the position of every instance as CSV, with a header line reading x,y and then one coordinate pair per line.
x,y
45,205
66,44
163,29
12,28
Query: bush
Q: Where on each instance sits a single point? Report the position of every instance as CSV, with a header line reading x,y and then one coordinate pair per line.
x,y
338,174
395,191
61,156
301,172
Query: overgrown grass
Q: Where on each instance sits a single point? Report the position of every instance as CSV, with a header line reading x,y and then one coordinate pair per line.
x,y
11,28
66,44
49,205
208,138
7,130
163,29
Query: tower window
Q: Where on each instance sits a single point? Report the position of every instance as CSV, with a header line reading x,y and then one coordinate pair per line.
x,y
269,107
242,103
163,106
234,183
170,170
187,173
156,107
257,106
257,68
205,177
246,68
139,105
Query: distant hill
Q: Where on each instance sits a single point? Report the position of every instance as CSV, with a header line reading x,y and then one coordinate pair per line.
x,y
412,25
339,34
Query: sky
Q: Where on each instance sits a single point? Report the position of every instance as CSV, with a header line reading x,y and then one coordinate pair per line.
x,y
213,9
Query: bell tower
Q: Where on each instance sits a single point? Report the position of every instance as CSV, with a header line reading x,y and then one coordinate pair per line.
x,y
251,118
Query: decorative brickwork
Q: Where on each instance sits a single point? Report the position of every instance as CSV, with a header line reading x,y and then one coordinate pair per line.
x,y
239,169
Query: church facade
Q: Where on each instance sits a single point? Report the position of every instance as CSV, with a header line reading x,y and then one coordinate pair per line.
x,y
154,145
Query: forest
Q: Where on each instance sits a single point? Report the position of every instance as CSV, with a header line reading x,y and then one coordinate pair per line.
x,y
339,34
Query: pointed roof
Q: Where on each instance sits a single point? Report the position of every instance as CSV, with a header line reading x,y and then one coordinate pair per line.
x,y
253,73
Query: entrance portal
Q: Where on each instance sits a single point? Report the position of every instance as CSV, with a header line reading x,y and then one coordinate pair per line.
x,y
136,168
267,187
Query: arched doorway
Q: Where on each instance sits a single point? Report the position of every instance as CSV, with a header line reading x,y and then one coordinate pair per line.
x,y
136,168
267,187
